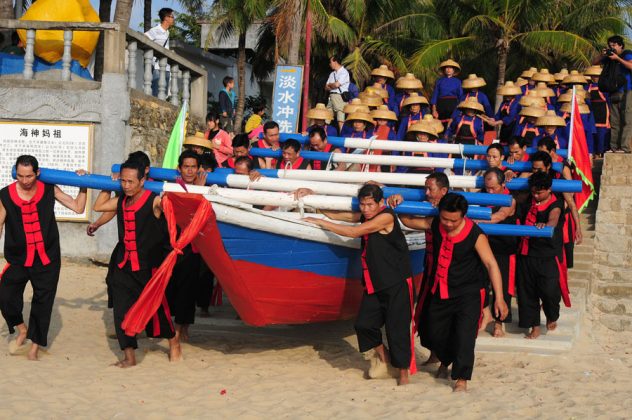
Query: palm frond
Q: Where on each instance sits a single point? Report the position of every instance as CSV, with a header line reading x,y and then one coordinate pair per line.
x,y
558,42
357,65
424,61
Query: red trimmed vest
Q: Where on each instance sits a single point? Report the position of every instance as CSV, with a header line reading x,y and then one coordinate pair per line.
x,y
319,165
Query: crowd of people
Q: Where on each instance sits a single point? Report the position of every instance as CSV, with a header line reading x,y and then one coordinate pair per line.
x,y
469,280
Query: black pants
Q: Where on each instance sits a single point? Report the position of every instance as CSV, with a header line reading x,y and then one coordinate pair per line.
x,y
108,276
389,308
126,289
421,311
204,286
453,327
44,280
508,273
181,291
538,281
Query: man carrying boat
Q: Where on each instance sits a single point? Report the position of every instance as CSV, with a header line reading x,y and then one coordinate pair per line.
x,y
387,278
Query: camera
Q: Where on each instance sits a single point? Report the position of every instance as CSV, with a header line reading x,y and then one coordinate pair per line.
x,y
609,51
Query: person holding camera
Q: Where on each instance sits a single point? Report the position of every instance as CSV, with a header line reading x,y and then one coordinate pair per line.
x,y
616,79
338,87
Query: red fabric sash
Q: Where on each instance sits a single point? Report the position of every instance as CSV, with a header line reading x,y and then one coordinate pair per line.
x,y
512,275
297,164
153,293
216,297
413,328
4,270
31,223
480,317
425,281
317,164
445,257
530,221
129,237
365,268
561,266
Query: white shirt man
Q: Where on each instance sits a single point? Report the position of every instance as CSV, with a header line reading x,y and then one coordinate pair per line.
x,y
160,35
337,84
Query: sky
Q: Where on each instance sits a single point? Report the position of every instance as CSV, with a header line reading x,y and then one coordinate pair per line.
x,y
137,12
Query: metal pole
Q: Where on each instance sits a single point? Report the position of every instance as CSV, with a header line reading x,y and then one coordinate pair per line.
x,y
306,76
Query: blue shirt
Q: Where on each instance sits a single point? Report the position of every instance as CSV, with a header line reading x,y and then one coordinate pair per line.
x,y
559,136
482,99
453,129
403,125
446,86
512,111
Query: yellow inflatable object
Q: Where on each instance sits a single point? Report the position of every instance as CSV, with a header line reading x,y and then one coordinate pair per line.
x,y
49,45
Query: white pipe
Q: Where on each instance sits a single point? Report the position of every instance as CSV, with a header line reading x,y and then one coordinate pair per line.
x,y
289,185
403,146
414,161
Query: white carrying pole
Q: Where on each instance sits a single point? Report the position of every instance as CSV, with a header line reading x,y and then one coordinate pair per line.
x,y
570,136
403,146
414,161
290,185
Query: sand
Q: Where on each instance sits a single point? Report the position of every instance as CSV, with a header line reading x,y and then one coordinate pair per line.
x,y
310,371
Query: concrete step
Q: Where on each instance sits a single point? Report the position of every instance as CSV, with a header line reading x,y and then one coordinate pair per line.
x,y
575,283
581,264
577,274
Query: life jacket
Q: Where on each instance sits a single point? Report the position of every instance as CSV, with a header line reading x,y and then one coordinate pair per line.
x,y
319,165
299,163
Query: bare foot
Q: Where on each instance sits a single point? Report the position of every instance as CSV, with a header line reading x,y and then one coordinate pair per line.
x,y
534,333
123,364
32,355
128,360
487,318
442,372
21,338
498,330
460,386
175,351
403,377
432,359
551,326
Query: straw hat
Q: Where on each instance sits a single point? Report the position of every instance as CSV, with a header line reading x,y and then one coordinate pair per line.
x,y
471,103
424,127
198,140
415,98
528,74
532,111
320,112
450,63
409,81
561,75
574,78
593,71
550,118
436,124
532,98
568,96
383,71
355,105
509,89
360,116
543,76
473,82
370,99
543,90
583,108
378,90
383,113
521,82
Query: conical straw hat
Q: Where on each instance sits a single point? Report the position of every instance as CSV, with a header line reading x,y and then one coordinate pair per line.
x,y
450,63
544,91
593,71
531,98
568,96
561,75
473,82
423,127
378,90
509,89
415,98
550,118
437,124
583,108
574,78
409,81
198,140
543,76
383,113
383,71
370,99
360,116
320,112
354,106
528,74
532,111
521,82
471,103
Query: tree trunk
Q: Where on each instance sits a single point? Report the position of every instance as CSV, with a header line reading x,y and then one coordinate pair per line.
x,y
241,82
297,32
147,16
123,13
105,13
503,51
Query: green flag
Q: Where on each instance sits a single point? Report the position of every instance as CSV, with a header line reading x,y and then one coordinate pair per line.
x,y
176,139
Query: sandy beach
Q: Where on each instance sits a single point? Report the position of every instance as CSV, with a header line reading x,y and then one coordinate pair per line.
x,y
308,371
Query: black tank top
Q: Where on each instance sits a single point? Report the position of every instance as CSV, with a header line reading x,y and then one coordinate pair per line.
x,y
530,215
385,259
35,217
141,235
504,245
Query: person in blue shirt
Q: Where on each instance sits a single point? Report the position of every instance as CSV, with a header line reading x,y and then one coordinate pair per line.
x,y
527,75
355,105
362,125
587,121
508,110
446,92
553,126
471,87
416,107
319,116
424,131
599,108
407,85
384,77
527,130
468,127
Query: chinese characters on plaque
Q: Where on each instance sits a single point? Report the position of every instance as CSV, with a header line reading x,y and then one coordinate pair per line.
x,y
287,97
65,147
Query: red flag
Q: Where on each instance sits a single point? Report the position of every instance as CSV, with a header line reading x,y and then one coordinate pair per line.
x,y
578,155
